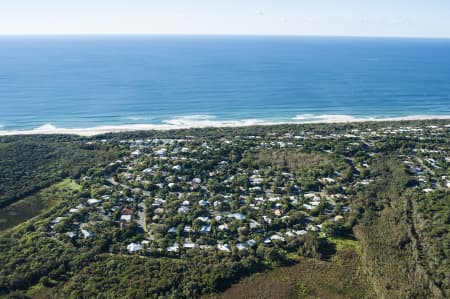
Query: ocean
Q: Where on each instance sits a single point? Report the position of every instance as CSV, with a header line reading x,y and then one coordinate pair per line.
x,y
71,82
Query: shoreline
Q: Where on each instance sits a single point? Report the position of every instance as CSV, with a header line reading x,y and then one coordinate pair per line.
x,y
192,123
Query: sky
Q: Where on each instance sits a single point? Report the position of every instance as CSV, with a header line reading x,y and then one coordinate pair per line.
x,y
405,18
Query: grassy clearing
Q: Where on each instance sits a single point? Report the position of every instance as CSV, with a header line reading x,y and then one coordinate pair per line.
x,y
346,244
309,278
36,204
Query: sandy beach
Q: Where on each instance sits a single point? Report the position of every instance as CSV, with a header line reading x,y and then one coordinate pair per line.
x,y
207,122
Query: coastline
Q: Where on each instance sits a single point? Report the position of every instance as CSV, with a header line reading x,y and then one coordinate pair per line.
x,y
191,122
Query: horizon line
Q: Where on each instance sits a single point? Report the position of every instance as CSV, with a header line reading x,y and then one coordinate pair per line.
x,y
220,35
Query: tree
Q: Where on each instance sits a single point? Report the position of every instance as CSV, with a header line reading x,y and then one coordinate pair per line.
x,y
309,246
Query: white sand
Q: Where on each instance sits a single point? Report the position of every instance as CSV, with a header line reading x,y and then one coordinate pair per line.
x,y
205,122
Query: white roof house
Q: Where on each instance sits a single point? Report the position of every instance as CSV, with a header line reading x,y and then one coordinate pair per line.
x,y
205,229
267,219
237,216
331,181
203,202
86,234
136,153
161,152
251,243
338,218
183,209
313,228
254,224
290,234
274,199
57,220
93,201
133,247
300,232
277,237
309,195
174,248
126,218
188,244
307,206
223,247
241,246
223,227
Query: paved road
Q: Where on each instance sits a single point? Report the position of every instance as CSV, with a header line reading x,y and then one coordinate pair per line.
x,y
141,216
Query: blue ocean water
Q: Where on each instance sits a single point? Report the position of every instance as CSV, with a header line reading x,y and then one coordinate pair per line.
x,y
82,82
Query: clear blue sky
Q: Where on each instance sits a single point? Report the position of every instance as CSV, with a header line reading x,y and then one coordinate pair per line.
x,y
421,18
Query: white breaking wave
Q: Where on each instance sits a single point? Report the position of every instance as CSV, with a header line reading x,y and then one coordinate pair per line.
x,y
204,121
138,118
46,127
327,118
181,122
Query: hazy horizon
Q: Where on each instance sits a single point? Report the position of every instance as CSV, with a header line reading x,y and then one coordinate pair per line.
x,y
352,18
220,35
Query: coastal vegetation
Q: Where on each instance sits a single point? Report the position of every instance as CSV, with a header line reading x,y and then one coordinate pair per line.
x,y
341,277
35,204
292,211
30,163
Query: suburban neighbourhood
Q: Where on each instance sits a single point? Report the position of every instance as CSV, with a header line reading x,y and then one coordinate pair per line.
x,y
170,196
